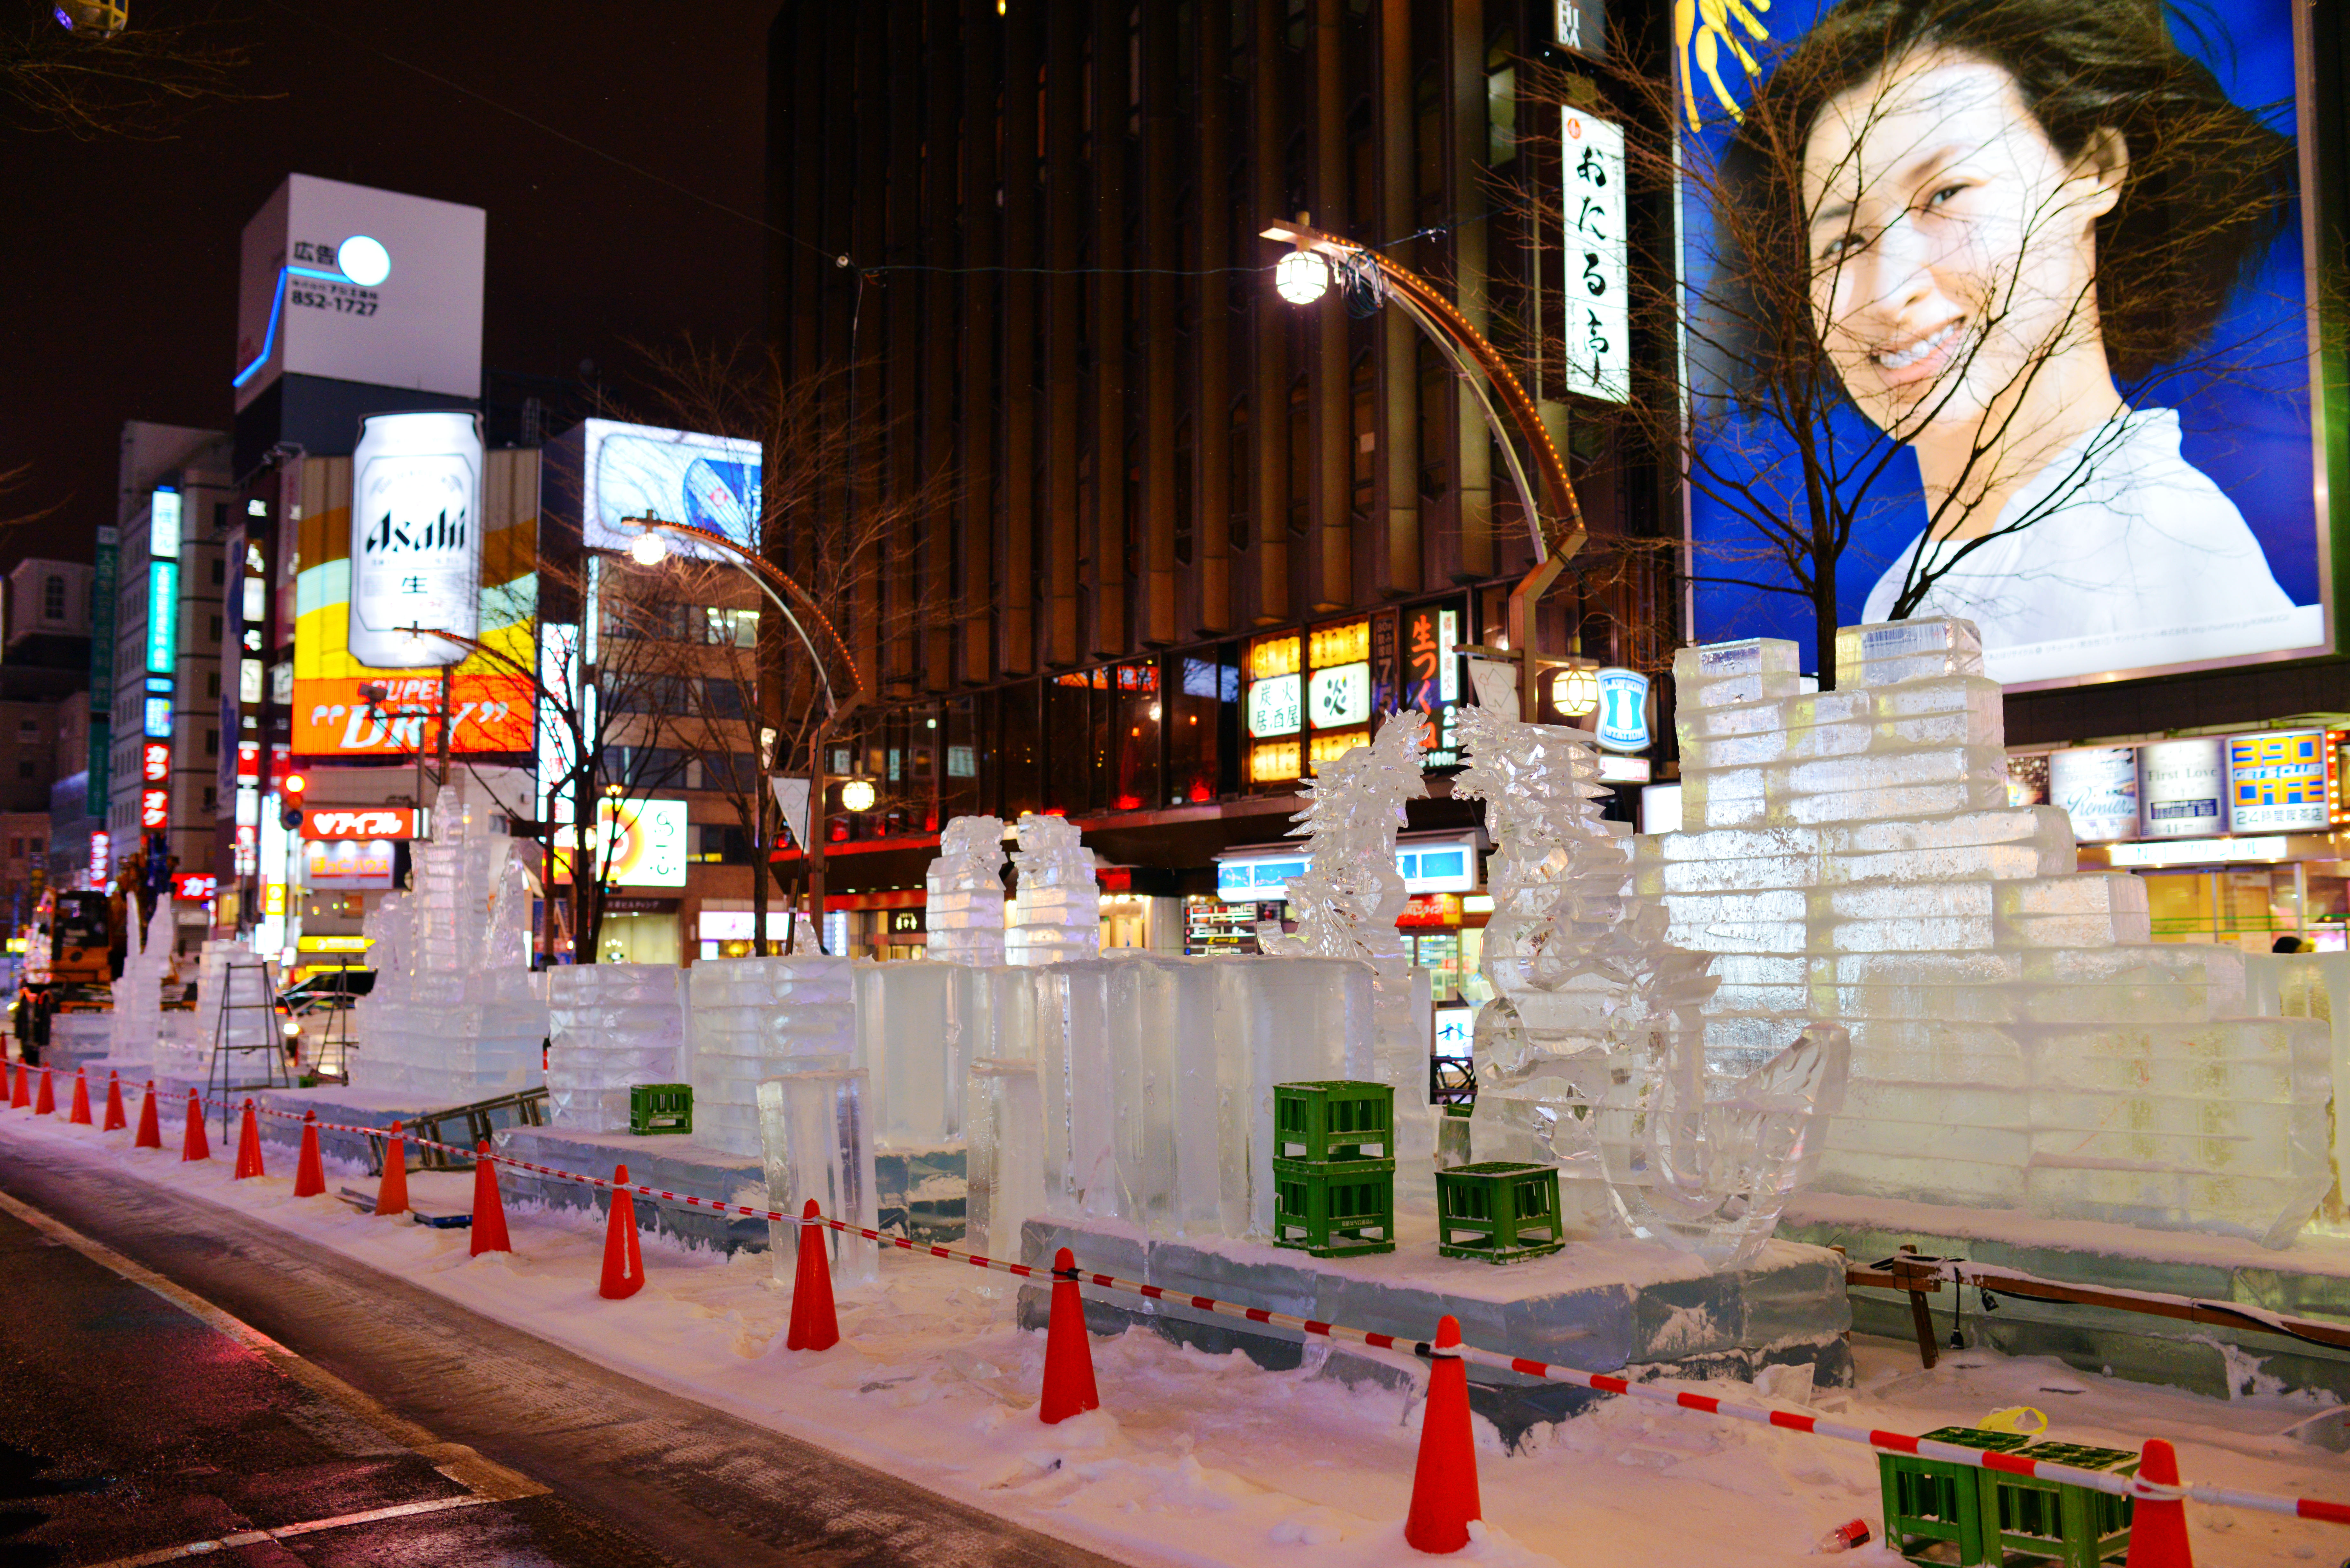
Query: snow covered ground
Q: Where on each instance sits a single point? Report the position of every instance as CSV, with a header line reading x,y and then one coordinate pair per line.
x,y
1201,1460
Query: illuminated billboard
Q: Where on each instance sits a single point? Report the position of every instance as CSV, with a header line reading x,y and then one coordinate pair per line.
x,y
361,284
346,709
622,471
639,844
2044,366
416,561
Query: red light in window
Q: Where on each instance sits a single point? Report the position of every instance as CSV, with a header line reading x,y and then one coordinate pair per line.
x,y
1130,803
835,831
1201,792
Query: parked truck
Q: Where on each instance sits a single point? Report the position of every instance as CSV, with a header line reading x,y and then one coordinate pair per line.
x,y
68,965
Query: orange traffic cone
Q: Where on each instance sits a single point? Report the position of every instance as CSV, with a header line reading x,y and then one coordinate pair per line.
x,y
81,1114
1444,1487
1068,1354
248,1146
195,1146
391,1195
489,1213
2158,1527
21,1096
44,1103
624,1263
814,1326
150,1133
115,1120
309,1174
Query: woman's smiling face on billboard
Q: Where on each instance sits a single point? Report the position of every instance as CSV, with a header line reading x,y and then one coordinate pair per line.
x,y
1953,248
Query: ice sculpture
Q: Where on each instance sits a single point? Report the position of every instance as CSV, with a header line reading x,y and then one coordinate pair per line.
x,y
1349,899
2017,1040
137,1023
455,1014
1004,1165
812,1138
1591,1054
964,915
612,1025
751,1018
1057,914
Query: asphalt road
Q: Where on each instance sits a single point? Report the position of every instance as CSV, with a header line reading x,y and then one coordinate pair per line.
x,y
254,1383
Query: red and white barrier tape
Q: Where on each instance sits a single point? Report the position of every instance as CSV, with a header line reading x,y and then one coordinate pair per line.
x,y
1783,1420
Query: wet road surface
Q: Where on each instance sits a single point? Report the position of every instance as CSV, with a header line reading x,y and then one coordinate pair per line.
x,y
255,1382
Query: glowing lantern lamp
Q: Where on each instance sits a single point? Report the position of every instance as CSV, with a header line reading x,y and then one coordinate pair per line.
x,y
1301,277
857,794
1575,693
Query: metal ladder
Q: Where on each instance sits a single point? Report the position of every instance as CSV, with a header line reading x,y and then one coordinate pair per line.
x,y
217,1076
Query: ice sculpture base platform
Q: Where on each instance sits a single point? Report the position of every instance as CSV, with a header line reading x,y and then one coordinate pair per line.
x,y
2309,1279
924,1187
334,1103
78,1039
1602,1307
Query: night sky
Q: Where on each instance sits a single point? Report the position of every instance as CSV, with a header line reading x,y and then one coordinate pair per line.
x,y
120,256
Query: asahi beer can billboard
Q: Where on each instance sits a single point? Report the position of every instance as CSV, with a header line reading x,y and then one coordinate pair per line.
x,y
2182,788
416,539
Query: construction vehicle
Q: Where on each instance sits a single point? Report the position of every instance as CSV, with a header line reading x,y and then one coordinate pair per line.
x,y
68,963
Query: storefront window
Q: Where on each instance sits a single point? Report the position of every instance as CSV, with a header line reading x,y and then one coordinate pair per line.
x,y
2252,909
1197,688
1022,754
967,756
1135,708
1073,755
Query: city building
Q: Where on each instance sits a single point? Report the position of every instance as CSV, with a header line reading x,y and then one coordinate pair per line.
x,y
1197,537
162,634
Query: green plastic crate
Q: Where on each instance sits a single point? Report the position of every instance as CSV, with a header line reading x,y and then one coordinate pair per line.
x,y
660,1108
1498,1210
1337,1119
1932,1503
1334,1208
2035,1521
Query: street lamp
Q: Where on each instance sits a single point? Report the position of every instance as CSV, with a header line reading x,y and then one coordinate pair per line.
x,y
651,546
1558,533
1301,277
857,795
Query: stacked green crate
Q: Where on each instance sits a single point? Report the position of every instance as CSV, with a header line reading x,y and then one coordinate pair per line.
x,y
1498,1210
1939,1513
660,1108
1332,1196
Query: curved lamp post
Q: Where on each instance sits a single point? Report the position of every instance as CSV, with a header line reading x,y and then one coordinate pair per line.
x,y
650,549
1304,275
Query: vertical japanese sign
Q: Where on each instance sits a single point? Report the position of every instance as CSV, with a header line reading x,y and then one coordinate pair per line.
x,y
1596,326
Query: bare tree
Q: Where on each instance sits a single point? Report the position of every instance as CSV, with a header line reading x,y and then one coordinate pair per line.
x,y
1985,235
849,550
85,70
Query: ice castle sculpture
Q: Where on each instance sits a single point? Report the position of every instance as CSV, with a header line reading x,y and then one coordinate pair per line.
x,y
455,1014
1350,897
137,1026
2018,1041
1591,1054
1057,914
965,914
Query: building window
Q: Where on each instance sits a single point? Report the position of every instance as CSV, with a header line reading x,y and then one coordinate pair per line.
x,y
53,599
24,769
37,847
28,729
212,743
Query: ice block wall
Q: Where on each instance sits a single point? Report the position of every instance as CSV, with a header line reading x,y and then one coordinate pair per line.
x,y
1156,1074
614,1026
2017,1039
812,1131
753,1018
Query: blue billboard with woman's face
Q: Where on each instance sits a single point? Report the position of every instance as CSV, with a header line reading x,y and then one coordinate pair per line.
x,y
1999,307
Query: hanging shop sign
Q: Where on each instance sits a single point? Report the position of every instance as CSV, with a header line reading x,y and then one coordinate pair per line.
x,y
1597,331
1276,705
1340,698
2182,790
1623,711
2276,783
347,866
330,823
194,886
2097,787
